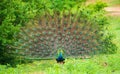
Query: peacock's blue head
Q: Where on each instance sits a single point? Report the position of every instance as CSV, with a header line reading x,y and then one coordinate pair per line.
x,y
60,52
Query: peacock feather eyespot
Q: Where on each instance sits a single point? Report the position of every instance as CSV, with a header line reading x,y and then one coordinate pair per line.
x,y
59,32
77,37
59,38
65,28
68,33
34,29
80,32
35,40
37,34
63,35
66,39
44,33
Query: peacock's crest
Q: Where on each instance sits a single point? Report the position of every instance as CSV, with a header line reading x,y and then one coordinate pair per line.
x,y
75,35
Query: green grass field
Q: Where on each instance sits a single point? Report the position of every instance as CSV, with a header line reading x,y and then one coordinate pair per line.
x,y
101,64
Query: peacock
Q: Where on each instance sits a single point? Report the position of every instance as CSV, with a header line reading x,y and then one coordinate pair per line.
x,y
60,58
44,36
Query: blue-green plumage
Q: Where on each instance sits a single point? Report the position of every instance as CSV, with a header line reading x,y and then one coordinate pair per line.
x,y
60,57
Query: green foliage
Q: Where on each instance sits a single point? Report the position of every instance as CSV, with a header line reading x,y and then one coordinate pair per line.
x,y
108,46
96,15
13,14
114,28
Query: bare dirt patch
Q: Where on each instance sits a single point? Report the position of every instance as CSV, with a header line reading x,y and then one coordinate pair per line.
x,y
113,11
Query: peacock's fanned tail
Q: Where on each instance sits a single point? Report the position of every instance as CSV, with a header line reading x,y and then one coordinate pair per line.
x,y
75,35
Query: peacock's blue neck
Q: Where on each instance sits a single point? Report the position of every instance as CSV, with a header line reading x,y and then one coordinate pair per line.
x,y
60,54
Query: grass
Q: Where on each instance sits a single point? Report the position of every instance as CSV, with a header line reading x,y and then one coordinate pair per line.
x,y
101,64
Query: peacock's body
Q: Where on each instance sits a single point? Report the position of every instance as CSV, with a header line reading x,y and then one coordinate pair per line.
x,y
60,58
71,33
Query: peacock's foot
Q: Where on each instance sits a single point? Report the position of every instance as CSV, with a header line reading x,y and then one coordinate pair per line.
x,y
61,62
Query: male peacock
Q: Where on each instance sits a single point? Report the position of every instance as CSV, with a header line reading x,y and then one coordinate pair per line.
x,y
42,37
60,58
